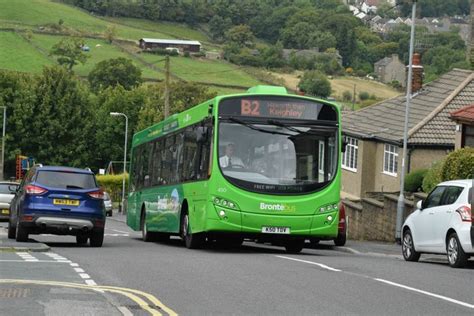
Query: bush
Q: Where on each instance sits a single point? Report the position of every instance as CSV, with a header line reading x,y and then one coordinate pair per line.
x,y
432,177
458,165
414,180
347,96
113,185
363,95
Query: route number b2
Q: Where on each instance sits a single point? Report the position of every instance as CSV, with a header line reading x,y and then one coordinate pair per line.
x,y
250,108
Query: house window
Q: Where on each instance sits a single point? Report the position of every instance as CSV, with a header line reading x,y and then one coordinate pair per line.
x,y
349,159
390,159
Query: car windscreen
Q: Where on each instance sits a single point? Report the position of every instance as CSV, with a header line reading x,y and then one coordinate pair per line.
x,y
5,188
66,180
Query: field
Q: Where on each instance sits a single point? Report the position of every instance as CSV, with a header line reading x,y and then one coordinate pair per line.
x,y
40,12
99,50
17,54
173,30
203,70
339,85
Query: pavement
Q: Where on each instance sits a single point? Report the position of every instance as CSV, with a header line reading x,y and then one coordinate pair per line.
x,y
7,244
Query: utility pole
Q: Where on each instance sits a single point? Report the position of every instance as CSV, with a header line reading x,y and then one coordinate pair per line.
x,y
401,197
167,86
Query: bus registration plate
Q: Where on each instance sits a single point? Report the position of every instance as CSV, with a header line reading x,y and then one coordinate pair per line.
x,y
275,230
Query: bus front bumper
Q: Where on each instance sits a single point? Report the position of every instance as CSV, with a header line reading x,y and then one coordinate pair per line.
x,y
246,223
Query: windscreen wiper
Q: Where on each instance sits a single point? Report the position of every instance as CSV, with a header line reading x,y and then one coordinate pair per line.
x,y
280,124
251,126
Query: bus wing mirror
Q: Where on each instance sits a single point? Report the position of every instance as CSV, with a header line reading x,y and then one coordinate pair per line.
x,y
344,145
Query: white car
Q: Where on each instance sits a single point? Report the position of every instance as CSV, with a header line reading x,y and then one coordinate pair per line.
x,y
442,224
7,192
107,204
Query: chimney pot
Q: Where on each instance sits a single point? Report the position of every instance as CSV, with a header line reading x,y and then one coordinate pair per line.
x,y
417,73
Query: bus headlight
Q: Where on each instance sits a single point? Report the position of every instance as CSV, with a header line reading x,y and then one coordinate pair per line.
x,y
329,208
225,203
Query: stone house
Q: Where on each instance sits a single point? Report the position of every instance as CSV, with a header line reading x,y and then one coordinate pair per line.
x,y
464,119
374,135
389,69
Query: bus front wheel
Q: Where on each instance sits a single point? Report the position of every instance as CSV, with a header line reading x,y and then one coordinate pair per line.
x,y
294,246
147,236
192,241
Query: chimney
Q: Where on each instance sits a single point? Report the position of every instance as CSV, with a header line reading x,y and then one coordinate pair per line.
x,y
417,74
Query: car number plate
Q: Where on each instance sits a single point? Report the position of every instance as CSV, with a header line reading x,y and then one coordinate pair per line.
x,y
275,230
6,212
66,202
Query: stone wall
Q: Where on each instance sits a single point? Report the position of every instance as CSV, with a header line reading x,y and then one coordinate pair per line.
x,y
372,219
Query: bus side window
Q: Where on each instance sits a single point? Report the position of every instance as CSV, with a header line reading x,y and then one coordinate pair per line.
x,y
157,155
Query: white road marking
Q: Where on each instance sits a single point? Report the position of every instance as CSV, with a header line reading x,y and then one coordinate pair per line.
x,y
72,264
84,275
118,231
116,235
90,282
311,262
79,270
427,293
124,311
41,261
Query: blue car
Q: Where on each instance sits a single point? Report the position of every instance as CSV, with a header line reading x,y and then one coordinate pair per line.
x,y
61,201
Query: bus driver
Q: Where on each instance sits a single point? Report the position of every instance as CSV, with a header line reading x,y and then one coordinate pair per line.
x,y
229,160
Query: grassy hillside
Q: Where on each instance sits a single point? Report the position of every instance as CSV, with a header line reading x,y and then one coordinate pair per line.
x,y
203,70
31,56
99,50
17,54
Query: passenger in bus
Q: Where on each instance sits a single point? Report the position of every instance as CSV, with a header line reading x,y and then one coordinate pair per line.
x,y
229,160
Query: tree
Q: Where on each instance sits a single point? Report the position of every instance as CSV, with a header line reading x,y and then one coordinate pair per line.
x,y
183,95
241,35
218,26
113,72
110,33
315,83
69,52
55,123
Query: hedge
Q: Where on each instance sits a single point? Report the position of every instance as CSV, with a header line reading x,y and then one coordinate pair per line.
x,y
113,185
459,165
414,180
432,177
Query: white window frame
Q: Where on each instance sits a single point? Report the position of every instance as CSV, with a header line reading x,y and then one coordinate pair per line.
x,y
350,156
390,167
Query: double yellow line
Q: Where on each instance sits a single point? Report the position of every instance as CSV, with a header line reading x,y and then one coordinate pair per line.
x,y
137,296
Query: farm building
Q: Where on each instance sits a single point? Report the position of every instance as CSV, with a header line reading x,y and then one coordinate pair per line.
x,y
183,46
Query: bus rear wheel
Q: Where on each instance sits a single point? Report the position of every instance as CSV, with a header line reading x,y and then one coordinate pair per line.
x,y
294,246
191,241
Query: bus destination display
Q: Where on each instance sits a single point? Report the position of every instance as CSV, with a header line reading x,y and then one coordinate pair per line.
x,y
270,108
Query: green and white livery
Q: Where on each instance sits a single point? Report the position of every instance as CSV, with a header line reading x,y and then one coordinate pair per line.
x,y
262,165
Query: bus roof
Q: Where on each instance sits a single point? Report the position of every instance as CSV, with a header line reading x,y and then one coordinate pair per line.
x,y
200,111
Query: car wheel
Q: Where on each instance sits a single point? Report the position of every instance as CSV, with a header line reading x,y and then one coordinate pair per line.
x,y
294,246
97,238
81,240
192,241
340,240
21,233
408,247
110,213
11,230
456,256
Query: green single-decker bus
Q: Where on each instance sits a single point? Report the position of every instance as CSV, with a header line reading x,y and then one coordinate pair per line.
x,y
261,165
